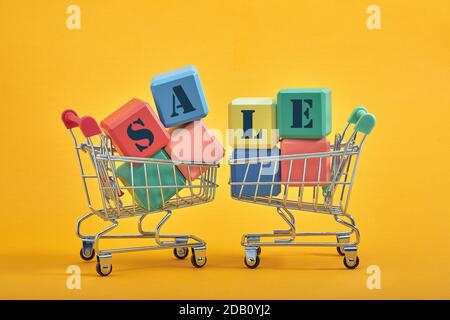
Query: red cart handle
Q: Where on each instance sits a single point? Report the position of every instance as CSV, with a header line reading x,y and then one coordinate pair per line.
x,y
87,124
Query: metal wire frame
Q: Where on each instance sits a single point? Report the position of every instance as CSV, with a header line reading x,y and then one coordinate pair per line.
x,y
318,196
115,207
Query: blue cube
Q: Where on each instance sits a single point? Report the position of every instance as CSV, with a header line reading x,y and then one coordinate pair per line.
x,y
179,96
269,172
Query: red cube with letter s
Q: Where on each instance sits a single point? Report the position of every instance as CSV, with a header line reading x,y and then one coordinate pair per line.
x,y
135,130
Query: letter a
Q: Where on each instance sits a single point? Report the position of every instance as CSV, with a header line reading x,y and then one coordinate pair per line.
x,y
74,279
374,20
185,104
374,280
74,20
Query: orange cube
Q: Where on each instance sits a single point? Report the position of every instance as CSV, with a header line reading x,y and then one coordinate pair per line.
x,y
135,130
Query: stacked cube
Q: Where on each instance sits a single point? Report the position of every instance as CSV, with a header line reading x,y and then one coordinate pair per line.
x,y
136,131
299,120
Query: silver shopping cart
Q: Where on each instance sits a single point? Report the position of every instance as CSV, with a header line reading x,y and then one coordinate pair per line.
x,y
311,195
111,203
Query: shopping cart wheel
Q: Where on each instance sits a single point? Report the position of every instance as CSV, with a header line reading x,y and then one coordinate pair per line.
x,y
351,263
105,271
84,254
198,263
258,252
252,263
198,257
339,250
181,253
104,265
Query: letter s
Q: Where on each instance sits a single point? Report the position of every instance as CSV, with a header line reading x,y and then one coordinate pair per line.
x,y
140,135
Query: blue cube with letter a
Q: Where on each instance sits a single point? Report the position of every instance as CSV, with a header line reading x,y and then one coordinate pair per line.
x,y
255,173
179,96
304,113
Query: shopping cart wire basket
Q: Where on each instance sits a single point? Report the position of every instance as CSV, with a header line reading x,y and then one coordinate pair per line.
x,y
99,163
311,195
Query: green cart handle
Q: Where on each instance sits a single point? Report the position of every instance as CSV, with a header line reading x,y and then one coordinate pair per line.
x,y
363,120
356,114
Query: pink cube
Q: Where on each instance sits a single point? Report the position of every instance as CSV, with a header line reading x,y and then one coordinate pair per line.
x,y
195,142
311,173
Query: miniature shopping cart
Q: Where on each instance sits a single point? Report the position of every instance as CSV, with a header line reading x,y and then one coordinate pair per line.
x,y
313,195
114,204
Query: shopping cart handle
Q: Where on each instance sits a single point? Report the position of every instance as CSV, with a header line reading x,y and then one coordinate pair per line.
x,y
356,114
87,124
366,123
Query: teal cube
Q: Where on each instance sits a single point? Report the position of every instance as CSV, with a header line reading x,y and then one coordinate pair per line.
x,y
304,113
155,196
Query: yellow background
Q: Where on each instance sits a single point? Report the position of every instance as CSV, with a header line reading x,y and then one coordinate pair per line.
x,y
241,48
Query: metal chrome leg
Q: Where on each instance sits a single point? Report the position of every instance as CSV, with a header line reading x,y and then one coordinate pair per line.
x,y
102,233
87,251
347,249
89,242
351,225
158,228
78,225
289,218
141,230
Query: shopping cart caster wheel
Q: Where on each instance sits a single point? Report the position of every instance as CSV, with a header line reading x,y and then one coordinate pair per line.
x,y
339,250
84,254
252,263
105,271
342,239
181,253
351,263
197,262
